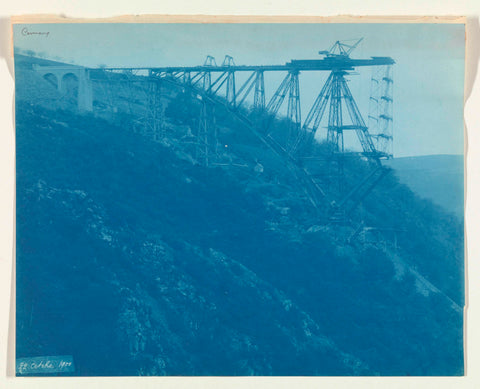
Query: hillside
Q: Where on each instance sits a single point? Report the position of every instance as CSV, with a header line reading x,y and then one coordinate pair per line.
x,y
135,259
435,177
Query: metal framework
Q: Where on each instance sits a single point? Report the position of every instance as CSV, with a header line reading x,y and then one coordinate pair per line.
x,y
381,109
217,84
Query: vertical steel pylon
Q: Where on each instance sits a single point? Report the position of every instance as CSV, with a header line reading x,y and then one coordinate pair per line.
x,y
259,96
289,86
343,115
231,95
335,116
338,96
207,139
202,136
335,127
154,118
207,80
293,111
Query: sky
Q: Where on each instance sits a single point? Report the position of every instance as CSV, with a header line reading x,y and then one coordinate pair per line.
x,y
428,74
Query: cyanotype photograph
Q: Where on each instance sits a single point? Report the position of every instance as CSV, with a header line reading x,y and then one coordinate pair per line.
x,y
239,199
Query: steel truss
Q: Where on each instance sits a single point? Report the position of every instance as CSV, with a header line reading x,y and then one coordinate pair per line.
x,y
218,85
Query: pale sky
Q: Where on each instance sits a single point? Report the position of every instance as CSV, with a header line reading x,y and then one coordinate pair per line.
x,y
428,74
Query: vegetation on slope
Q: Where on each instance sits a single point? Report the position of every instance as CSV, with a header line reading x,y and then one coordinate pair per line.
x,y
136,260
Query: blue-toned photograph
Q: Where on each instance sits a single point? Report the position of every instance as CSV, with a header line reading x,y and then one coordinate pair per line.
x,y
239,199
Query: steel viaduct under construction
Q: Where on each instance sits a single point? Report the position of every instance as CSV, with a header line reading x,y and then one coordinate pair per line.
x,y
334,106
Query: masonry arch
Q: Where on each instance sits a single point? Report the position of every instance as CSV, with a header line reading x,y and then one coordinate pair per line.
x,y
70,84
51,79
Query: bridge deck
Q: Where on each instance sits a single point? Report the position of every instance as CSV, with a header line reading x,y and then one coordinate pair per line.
x,y
299,65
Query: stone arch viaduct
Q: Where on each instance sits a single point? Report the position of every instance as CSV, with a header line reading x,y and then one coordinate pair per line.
x,y
61,75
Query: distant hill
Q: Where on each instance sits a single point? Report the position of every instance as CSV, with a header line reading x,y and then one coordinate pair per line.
x,y
435,177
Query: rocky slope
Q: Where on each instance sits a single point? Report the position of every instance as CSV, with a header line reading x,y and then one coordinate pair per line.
x,y
136,260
